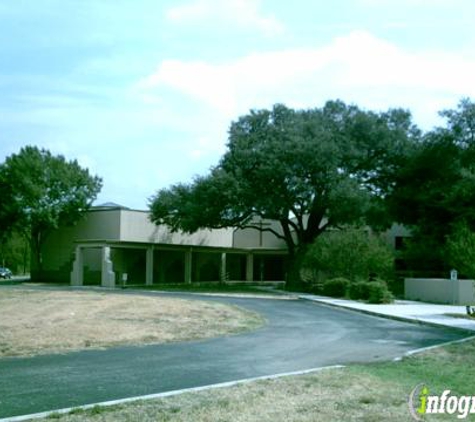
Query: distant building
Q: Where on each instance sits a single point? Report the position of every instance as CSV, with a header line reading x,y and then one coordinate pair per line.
x,y
114,244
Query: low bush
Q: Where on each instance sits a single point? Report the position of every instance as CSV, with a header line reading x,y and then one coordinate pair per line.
x,y
379,292
359,290
352,253
371,291
336,287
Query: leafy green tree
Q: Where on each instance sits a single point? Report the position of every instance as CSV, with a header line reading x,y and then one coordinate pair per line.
x,y
310,170
353,254
460,249
435,190
461,122
15,253
43,192
9,213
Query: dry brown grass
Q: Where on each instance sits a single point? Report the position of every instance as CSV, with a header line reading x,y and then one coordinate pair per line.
x,y
332,395
39,322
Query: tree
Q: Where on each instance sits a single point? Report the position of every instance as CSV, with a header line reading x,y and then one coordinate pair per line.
x,y
308,169
461,122
353,254
460,249
43,192
435,190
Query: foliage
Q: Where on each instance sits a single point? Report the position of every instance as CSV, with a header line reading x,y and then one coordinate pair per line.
x,y
461,122
379,292
423,256
352,253
435,190
336,287
43,192
375,291
310,170
460,249
437,187
359,290
15,253
9,213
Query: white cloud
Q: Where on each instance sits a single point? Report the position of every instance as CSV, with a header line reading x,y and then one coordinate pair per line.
x,y
242,13
358,67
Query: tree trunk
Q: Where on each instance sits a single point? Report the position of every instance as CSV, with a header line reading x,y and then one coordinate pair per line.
x,y
36,270
294,280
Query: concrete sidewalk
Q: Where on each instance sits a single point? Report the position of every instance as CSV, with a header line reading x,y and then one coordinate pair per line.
x,y
405,310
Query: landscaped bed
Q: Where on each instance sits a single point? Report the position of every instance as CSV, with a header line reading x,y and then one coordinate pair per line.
x,y
49,321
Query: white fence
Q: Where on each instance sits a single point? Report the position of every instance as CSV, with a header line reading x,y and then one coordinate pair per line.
x,y
440,290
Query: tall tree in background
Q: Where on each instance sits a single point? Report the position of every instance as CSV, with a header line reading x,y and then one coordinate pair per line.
x,y
43,192
435,190
310,170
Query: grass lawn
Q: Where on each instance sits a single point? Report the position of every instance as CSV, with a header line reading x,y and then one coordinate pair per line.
x,y
51,321
371,393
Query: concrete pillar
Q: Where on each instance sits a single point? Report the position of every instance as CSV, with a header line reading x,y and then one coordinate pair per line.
x,y
250,267
224,277
149,267
188,266
77,274
107,273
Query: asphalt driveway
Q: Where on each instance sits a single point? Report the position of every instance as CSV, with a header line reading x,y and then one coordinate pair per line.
x,y
299,335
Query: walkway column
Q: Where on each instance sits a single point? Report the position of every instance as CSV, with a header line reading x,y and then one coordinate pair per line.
x,y
250,267
77,274
224,277
149,267
107,273
188,266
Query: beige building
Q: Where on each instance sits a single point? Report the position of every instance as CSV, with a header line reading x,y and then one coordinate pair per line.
x,y
114,244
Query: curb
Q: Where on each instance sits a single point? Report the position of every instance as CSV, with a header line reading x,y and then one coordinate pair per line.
x,y
391,317
436,346
165,394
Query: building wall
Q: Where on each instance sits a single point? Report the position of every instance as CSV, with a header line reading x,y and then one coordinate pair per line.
x,y
438,290
394,232
117,225
135,226
58,249
252,238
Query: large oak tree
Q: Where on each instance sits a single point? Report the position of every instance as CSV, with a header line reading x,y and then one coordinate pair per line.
x,y
310,170
42,192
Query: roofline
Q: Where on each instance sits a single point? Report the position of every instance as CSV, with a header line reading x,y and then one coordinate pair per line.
x,y
170,246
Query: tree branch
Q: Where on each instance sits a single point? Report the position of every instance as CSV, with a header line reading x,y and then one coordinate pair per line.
x,y
262,229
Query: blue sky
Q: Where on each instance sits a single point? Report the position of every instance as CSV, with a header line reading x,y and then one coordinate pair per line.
x,y
142,92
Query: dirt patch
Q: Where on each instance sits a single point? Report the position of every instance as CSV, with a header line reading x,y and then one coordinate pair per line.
x,y
40,322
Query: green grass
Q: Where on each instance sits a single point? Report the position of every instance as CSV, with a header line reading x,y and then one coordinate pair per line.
x,y
448,367
366,393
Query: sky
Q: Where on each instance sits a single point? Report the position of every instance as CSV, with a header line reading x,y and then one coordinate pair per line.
x,y
142,92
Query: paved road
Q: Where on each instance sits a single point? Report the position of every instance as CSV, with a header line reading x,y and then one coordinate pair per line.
x,y
299,335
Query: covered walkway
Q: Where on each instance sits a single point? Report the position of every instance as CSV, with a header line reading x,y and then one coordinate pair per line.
x,y
110,264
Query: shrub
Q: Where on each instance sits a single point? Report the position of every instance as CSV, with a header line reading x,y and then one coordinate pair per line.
x,y
336,287
359,290
460,250
379,293
372,291
353,254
